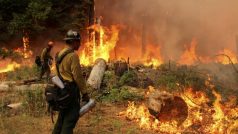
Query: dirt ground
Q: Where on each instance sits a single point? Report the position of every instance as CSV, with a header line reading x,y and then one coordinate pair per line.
x,y
103,119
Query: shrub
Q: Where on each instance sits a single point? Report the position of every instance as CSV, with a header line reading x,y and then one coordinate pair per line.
x,y
110,81
182,76
34,103
117,95
129,78
23,72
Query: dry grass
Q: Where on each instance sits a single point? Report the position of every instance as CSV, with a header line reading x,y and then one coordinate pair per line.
x,y
103,119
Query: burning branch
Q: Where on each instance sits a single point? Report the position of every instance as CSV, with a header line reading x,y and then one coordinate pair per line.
x,y
236,70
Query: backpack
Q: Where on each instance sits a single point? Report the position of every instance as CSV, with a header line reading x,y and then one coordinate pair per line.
x,y
59,99
38,61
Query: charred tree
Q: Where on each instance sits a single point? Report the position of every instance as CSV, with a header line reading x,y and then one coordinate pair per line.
x,y
120,67
91,15
143,37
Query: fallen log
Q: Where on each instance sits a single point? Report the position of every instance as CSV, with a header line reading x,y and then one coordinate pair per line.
x,y
96,75
30,81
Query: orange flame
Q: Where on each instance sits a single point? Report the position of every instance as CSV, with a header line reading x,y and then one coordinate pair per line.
x,y
99,49
10,67
211,119
225,60
27,53
152,56
103,44
189,57
153,62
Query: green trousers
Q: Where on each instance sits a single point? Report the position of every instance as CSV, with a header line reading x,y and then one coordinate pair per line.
x,y
67,120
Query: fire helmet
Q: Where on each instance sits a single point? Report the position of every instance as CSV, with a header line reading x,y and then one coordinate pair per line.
x,y
72,35
50,43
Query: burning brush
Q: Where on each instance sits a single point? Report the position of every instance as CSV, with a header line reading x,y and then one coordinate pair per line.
x,y
185,113
166,107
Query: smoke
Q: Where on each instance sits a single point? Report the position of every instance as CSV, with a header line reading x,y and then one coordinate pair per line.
x,y
173,24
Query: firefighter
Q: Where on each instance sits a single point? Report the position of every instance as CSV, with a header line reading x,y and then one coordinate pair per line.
x,y
46,60
70,71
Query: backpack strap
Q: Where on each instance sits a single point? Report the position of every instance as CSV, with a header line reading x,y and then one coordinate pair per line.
x,y
59,59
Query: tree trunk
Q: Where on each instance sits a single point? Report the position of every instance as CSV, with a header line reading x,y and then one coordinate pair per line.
x,y
96,75
120,67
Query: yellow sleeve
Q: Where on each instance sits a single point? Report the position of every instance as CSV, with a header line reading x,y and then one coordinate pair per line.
x,y
43,54
77,74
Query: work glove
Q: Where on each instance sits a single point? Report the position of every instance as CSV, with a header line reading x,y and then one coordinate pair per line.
x,y
85,98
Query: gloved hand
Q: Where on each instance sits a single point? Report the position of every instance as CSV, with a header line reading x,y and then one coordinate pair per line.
x,y
85,97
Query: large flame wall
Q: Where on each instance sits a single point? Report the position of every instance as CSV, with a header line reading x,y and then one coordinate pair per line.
x,y
171,27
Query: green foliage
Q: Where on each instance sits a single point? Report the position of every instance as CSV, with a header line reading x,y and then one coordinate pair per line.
x,y
182,76
39,10
36,16
10,97
131,130
32,19
34,102
95,119
4,101
170,81
18,23
117,125
23,73
5,53
109,81
118,95
129,78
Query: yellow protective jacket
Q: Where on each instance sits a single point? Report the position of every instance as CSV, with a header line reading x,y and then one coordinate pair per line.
x,y
70,69
45,55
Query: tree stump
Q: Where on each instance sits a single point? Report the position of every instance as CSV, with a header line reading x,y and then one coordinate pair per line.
x,y
175,109
96,75
120,67
166,107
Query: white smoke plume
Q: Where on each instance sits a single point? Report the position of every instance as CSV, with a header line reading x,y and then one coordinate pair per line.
x,y
173,24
